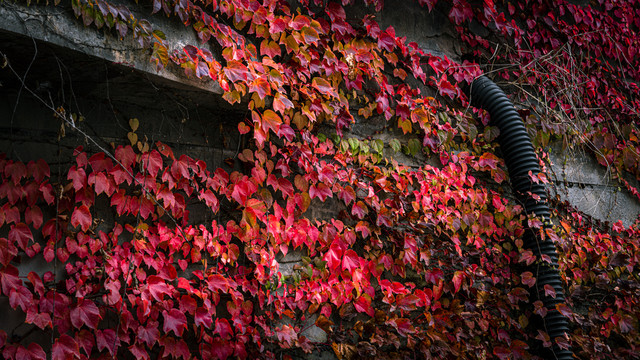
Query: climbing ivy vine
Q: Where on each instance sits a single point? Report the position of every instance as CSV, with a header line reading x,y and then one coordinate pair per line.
x,y
419,260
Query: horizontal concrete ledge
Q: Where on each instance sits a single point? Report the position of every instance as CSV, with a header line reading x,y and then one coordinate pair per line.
x,y
57,25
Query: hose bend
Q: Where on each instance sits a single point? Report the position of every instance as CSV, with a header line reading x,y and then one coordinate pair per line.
x,y
520,159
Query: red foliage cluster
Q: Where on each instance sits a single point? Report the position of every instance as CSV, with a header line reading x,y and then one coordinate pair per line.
x,y
418,261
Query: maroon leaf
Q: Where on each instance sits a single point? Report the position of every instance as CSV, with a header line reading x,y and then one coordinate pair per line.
x,y
223,329
549,291
33,215
176,348
39,170
64,348
9,279
99,162
31,352
20,296
107,339
85,313
203,318
20,234
174,320
85,340
149,334
287,334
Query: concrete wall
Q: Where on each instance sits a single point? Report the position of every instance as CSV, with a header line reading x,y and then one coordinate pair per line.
x,y
73,67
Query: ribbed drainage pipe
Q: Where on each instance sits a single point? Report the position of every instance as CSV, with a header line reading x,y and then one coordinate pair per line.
x,y
520,158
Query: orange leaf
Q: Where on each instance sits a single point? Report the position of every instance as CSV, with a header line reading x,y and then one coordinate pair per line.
x,y
271,120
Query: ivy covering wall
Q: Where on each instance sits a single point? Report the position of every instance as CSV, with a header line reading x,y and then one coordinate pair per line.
x,y
422,258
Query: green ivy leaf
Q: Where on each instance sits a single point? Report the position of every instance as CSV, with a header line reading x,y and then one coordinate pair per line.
x,y
355,144
395,145
377,145
364,146
414,147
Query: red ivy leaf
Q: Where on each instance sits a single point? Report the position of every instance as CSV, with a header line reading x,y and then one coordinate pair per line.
x,y
31,352
277,25
332,257
81,217
33,215
64,348
99,162
136,350
7,251
152,162
261,87
403,326
39,170
17,171
320,191
359,209
446,88
281,103
271,120
85,340
236,71
287,334
324,87
363,304
408,302
218,282
177,348
85,313
528,278
174,320
107,339
126,156
20,296
157,287
149,334
458,276
223,329
549,291
299,22
350,260
102,184
243,128
20,234
270,48
203,318
78,177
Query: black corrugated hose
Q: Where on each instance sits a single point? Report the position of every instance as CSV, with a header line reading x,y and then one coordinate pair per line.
x,y
520,158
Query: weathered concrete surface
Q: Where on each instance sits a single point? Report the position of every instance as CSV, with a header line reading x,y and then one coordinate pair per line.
x,y
589,187
58,26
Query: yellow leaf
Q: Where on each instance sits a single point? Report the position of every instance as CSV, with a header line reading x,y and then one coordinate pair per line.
x,y
134,123
133,138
